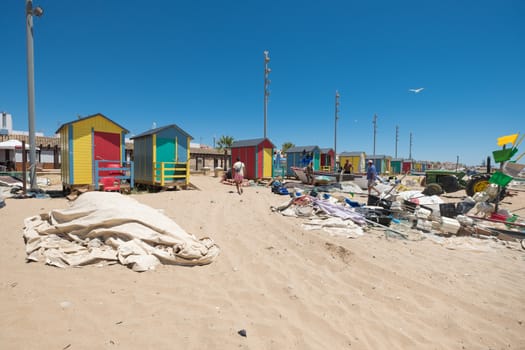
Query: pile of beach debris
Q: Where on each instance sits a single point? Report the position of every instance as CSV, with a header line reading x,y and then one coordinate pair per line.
x,y
407,214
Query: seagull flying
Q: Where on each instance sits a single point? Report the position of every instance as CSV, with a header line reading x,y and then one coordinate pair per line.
x,y
416,91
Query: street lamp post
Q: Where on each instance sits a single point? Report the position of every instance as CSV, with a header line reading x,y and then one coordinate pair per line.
x,y
335,126
375,127
267,71
30,12
410,148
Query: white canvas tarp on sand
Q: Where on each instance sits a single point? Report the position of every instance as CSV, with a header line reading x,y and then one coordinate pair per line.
x,y
110,227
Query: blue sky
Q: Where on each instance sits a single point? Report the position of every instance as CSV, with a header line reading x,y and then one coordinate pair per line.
x,y
200,65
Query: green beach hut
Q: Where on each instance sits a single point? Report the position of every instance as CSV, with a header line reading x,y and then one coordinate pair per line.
x,y
162,156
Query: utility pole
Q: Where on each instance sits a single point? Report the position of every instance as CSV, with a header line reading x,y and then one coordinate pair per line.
x,y
267,71
335,128
410,148
375,127
397,138
30,12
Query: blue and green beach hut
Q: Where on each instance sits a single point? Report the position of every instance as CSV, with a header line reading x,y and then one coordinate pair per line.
x,y
162,156
300,156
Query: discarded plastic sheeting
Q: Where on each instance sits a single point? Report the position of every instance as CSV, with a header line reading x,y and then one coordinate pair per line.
x,y
110,227
339,211
335,226
419,198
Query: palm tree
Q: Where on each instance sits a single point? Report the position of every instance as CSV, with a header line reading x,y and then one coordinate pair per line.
x,y
225,142
286,146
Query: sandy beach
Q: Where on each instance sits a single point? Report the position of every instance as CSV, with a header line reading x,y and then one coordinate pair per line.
x,y
286,287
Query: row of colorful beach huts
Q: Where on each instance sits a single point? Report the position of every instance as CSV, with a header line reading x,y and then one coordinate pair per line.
x,y
324,160
93,154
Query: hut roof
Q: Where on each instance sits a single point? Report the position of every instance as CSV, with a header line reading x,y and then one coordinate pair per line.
x,y
248,143
91,116
157,130
379,156
326,150
351,154
298,149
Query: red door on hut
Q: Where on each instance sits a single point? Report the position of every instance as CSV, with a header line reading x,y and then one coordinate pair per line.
x,y
407,166
107,147
327,159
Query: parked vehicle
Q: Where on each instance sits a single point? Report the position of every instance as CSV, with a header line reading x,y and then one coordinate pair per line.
x,y
446,181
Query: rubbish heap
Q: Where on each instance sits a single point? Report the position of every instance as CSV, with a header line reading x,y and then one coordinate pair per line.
x,y
403,214
401,211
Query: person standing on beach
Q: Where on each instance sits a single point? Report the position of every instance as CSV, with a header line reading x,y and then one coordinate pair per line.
x,y
371,176
238,177
348,167
310,173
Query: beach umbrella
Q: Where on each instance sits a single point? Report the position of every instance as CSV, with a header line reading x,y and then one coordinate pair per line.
x,y
12,144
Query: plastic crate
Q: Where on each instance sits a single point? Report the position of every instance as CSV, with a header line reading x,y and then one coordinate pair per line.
x,y
448,210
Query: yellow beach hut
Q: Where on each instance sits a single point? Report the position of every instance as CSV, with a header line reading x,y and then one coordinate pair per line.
x,y
357,159
92,151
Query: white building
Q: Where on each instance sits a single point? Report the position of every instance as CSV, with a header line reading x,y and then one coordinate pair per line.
x,y
6,126
6,123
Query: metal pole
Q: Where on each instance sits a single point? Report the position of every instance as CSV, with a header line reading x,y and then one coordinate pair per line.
x,y
335,128
266,87
397,138
410,148
375,126
24,167
31,95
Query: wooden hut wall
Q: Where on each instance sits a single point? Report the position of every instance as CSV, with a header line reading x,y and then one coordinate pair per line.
x,y
267,169
343,159
293,159
247,156
259,161
386,165
296,159
396,166
290,158
143,159
265,159
172,137
357,161
66,151
251,158
317,159
324,159
407,166
328,159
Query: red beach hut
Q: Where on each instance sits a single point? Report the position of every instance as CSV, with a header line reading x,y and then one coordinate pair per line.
x,y
327,159
257,156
